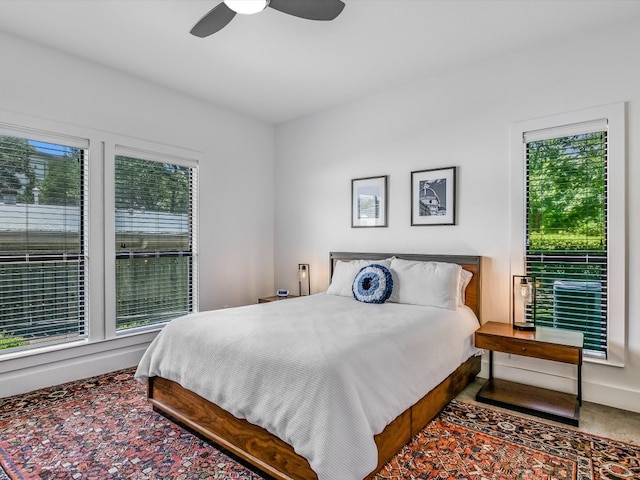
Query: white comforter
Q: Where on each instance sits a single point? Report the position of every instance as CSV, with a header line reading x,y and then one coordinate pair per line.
x,y
324,373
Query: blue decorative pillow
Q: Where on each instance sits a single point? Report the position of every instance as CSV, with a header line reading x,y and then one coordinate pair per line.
x,y
373,284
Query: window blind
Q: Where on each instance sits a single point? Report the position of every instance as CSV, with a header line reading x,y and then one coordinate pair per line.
x,y
566,229
154,226
43,250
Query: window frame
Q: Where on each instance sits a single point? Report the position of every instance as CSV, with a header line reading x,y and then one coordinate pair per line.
x,y
152,152
616,212
163,158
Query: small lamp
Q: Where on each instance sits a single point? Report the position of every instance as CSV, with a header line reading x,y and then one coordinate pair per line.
x,y
523,303
304,282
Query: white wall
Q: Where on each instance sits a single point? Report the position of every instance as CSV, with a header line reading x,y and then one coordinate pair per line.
x,y
460,119
69,95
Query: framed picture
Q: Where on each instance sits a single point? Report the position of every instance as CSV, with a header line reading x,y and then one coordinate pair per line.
x,y
433,197
369,202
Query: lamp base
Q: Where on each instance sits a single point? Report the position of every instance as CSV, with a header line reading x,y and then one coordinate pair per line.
x,y
527,326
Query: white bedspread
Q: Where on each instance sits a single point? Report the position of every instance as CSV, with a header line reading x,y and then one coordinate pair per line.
x,y
324,373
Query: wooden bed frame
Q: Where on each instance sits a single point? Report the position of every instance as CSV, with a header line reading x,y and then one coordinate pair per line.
x,y
275,457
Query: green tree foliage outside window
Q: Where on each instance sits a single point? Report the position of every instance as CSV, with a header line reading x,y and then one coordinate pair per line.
x,y
170,192
16,173
60,185
567,197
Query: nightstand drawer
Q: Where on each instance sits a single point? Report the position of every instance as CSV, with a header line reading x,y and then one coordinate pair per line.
x,y
556,353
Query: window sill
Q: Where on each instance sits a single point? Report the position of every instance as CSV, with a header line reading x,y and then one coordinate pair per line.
x,y
68,351
608,362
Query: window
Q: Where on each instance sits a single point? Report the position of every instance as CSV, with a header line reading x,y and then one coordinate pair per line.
x,y
97,245
43,249
154,238
572,200
566,229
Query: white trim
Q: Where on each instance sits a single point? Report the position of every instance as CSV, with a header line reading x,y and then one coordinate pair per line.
x,y
109,258
94,219
195,243
616,204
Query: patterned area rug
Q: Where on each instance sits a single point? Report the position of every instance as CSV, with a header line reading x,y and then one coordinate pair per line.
x,y
102,428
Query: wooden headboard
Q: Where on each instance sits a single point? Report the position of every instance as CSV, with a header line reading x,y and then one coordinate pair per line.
x,y
468,262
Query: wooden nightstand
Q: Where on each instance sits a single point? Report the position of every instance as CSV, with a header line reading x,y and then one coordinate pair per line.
x,y
547,343
275,298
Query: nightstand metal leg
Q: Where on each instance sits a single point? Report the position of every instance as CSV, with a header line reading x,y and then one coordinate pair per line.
x,y
580,384
490,364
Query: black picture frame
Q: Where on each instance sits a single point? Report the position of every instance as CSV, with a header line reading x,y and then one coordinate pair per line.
x,y
433,197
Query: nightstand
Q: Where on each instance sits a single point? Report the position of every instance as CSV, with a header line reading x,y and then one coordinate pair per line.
x,y
547,343
275,298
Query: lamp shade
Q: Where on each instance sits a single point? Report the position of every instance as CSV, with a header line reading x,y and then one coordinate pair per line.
x,y
523,306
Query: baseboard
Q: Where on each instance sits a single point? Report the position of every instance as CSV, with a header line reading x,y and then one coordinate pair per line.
x,y
48,372
612,396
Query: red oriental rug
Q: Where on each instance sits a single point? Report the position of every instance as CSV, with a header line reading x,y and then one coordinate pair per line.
x,y
102,428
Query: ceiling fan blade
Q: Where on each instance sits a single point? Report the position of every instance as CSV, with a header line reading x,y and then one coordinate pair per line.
x,y
213,21
309,9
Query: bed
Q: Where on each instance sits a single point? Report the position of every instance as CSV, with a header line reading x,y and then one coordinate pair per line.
x,y
356,379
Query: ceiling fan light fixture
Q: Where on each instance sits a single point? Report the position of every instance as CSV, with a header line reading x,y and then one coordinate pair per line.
x,y
220,16
247,7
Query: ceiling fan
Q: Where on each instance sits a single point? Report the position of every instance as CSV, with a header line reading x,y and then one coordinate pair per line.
x,y
224,12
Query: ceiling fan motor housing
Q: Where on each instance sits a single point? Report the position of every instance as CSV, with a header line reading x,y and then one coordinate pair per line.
x,y
247,7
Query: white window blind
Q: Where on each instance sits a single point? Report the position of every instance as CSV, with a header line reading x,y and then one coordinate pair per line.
x,y
155,210
573,129
43,241
567,228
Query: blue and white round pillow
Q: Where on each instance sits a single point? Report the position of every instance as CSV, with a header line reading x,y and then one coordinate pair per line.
x,y
372,284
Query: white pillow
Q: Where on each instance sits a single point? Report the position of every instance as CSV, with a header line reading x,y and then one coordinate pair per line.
x,y
465,278
435,284
345,272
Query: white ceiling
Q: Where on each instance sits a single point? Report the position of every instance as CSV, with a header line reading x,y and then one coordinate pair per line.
x,y
276,67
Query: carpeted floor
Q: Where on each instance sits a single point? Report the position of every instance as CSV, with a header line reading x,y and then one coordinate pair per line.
x,y
102,428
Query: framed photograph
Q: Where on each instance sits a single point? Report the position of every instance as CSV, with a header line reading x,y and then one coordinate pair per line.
x,y
433,197
369,202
